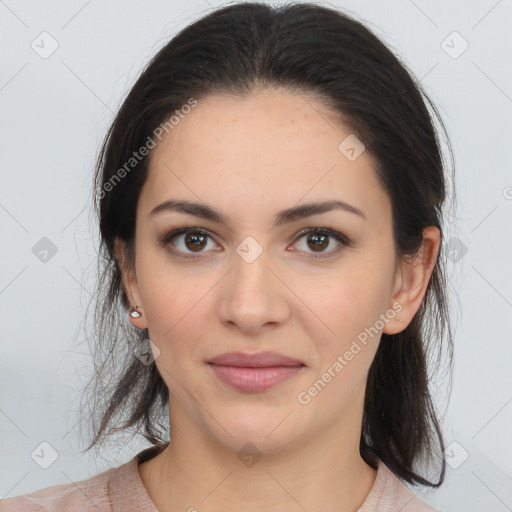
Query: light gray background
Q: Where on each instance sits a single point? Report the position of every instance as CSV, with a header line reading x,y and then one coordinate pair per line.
x,y
54,113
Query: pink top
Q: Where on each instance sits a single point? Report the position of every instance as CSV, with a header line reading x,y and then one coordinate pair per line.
x,y
121,490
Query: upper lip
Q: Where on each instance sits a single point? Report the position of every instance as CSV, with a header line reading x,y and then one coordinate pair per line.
x,y
256,360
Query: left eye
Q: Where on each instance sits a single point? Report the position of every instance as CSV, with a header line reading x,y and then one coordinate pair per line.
x,y
319,238
195,240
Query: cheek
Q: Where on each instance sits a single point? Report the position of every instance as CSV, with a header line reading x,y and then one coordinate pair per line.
x,y
175,311
352,298
171,293
177,322
349,305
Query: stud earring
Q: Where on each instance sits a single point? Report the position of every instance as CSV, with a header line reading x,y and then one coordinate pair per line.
x,y
134,313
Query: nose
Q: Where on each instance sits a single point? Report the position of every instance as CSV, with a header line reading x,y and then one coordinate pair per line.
x,y
252,295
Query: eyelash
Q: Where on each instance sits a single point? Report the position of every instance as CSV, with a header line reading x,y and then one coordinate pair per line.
x,y
342,239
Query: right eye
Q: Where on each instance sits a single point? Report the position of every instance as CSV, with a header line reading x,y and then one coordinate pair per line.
x,y
195,239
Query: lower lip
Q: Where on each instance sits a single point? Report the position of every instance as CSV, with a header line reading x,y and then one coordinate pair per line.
x,y
254,379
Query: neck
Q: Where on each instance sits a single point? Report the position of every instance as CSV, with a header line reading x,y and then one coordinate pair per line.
x,y
195,472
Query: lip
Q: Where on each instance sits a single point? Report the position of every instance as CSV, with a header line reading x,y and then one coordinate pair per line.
x,y
254,379
254,372
255,360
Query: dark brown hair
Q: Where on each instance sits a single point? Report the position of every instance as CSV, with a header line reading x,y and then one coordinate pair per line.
x,y
306,48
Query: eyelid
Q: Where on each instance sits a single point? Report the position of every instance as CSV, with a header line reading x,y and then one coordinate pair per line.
x,y
342,240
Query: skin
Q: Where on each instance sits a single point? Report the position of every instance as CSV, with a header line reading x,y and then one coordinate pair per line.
x,y
250,158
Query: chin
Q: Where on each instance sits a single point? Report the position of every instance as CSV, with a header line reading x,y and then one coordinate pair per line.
x,y
265,433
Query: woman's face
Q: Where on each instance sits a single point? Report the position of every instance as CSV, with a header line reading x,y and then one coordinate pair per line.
x,y
255,281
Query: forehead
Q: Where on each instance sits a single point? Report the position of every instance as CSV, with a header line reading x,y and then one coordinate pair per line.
x,y
273,148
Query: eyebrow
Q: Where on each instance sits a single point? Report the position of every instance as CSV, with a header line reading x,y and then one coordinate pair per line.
x,y
283,217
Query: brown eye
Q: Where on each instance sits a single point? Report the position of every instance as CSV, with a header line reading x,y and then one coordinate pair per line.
x,y
317,240
195,241
184,242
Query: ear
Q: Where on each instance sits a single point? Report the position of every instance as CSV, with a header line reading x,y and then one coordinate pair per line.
x,y
411,281
129,283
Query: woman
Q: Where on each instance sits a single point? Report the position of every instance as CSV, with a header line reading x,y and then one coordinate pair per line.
x,y
270,198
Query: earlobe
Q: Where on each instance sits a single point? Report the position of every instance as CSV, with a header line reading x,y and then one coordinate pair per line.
x,y
412,278
137,318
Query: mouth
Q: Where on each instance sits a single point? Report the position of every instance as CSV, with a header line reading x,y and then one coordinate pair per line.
x,y
256,360
254,372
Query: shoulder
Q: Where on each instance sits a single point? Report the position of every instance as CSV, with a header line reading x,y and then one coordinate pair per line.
x,y
91,493
390,493
118,488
